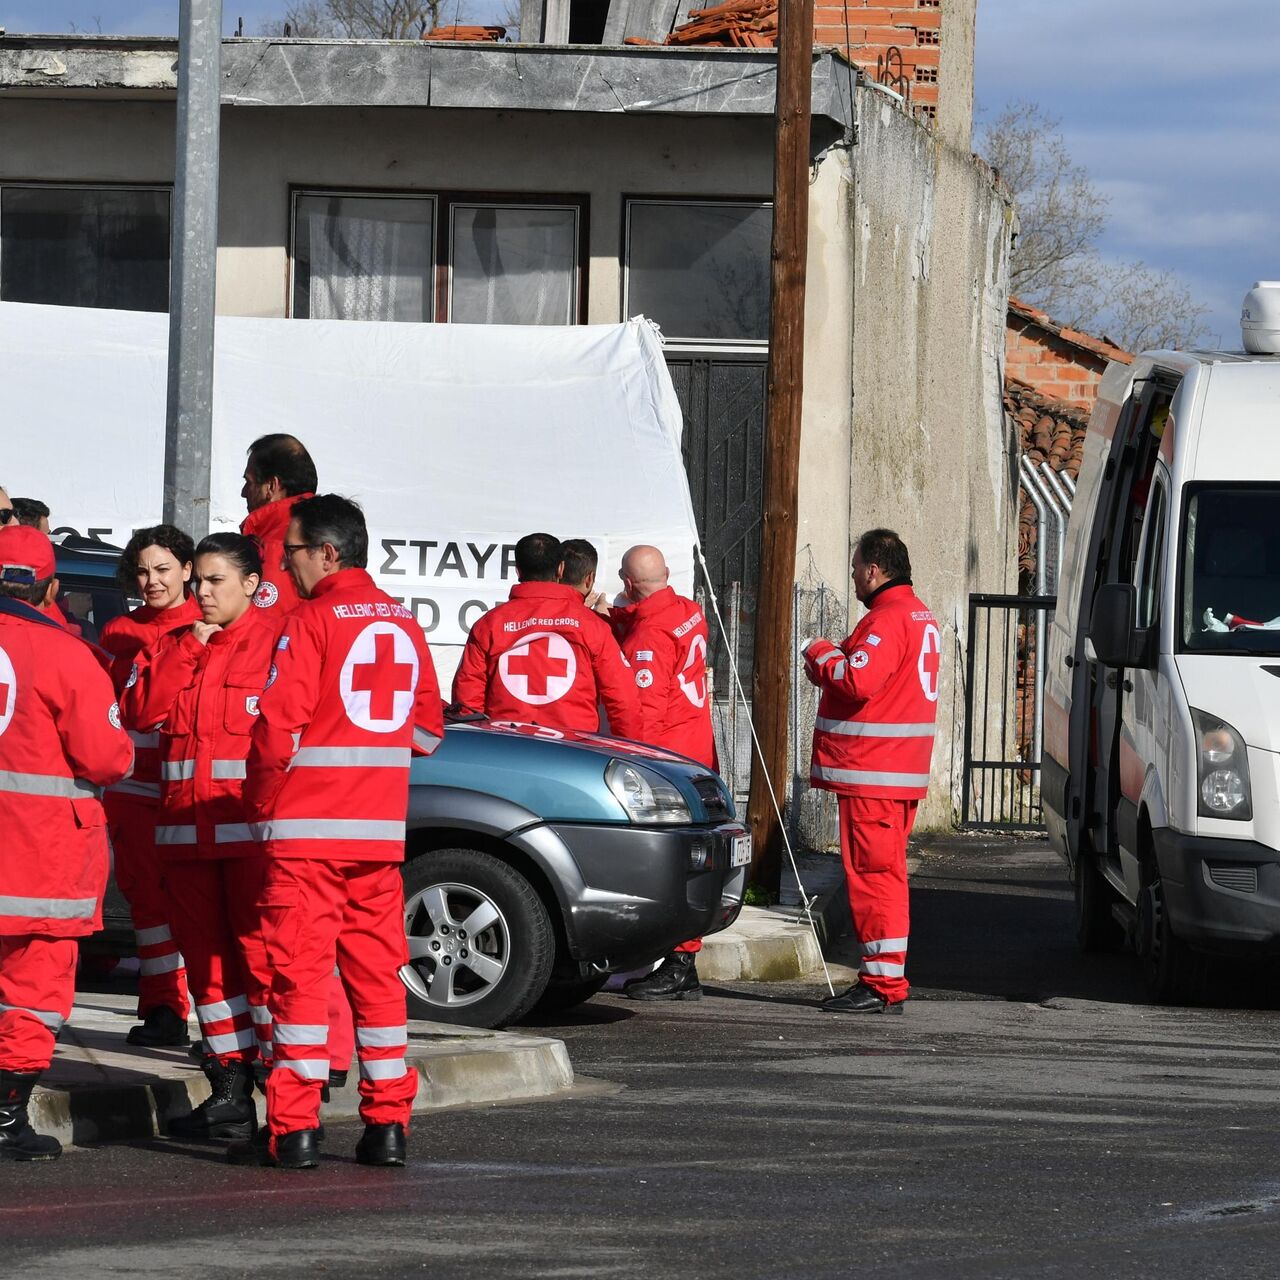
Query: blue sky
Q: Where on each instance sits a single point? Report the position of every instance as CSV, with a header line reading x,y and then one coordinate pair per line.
x,y
1173,107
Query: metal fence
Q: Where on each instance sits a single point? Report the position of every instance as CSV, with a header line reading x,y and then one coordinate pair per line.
x,y
1004,703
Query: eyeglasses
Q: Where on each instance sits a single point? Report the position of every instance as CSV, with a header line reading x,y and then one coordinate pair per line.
x,y
7,514
291,547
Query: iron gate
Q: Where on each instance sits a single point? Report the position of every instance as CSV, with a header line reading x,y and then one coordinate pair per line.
x,y
1004,706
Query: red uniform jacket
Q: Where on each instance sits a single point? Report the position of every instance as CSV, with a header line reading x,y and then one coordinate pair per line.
x,y
351,695
124,638
203,698
664,638
269,524
874,732
60,740
544,658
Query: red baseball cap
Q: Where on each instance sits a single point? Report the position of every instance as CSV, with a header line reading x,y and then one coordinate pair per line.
x,y
26,554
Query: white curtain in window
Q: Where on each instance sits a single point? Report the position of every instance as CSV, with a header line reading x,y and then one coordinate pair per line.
x,y
513,265
366,268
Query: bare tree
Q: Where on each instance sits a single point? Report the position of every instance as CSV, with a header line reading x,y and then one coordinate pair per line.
x,y
1062,215
362,19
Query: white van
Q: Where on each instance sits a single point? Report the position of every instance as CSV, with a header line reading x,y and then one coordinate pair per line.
x,y
1161,768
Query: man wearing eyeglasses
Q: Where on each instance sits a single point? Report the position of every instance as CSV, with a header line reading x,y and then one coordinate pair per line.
x,y
7,512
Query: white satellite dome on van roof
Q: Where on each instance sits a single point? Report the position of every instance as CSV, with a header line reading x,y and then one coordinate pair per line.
x,y
1260,319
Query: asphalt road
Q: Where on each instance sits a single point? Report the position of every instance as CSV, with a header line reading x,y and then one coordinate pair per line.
x,y
1029,1116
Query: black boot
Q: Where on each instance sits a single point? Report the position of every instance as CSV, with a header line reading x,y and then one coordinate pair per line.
x,y
18,1140
676,978
227,1114
382,1144
861,999
298,1149
161,1028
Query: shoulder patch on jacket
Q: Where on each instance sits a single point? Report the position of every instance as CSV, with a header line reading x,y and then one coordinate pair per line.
x,y
644,655
873,639
859,658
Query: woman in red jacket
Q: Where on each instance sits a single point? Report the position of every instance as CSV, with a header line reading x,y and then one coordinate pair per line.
x,y
157,565
200,689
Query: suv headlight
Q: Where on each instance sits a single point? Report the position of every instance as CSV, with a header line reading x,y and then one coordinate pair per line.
x,y
646,796
1223,774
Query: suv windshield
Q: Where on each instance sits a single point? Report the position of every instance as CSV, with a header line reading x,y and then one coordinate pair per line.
x,y
1231,570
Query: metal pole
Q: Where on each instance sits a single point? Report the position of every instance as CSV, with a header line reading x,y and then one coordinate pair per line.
x,y
770,682
188,424
1037,708
1063,499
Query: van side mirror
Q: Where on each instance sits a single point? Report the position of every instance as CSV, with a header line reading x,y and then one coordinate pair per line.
x,y
1112,627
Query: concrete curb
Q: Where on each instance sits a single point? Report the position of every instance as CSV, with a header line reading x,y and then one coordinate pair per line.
x,y
779,950
470,1068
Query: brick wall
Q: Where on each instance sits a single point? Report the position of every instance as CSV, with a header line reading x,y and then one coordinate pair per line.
x,y
1056,369
867,29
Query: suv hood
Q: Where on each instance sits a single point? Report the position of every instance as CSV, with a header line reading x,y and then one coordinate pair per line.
x,y
1244,691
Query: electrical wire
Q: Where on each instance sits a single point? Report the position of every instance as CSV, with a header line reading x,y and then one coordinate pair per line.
x,y
805,900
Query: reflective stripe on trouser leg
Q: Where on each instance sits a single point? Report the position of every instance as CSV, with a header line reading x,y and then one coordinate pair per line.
x,y
139,872
37,987
261,1017
301,911
205,910
371,951
873,846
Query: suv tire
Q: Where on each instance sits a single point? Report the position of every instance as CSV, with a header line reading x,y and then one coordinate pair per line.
x,y
481,946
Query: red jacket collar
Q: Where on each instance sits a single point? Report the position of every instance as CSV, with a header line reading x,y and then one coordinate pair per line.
x,y
179,616
272,519
545,591
888,591
343,579
629,613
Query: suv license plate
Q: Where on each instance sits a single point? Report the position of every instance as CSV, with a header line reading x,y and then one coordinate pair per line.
x,y
741,851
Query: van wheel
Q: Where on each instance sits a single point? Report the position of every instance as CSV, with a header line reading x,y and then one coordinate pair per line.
x,y
1174,973
481,946
1096,927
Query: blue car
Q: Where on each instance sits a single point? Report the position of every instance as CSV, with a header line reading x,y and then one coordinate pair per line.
x,y
537,862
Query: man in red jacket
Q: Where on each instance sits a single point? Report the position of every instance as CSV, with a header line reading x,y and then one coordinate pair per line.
x,y
279,472
872,745
664,639
60,740
351,694
543,657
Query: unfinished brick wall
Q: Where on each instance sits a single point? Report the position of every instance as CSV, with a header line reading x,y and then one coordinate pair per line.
x,y
1053,367
868,30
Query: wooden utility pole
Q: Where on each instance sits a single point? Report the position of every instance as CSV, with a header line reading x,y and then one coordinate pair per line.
x,y
771,677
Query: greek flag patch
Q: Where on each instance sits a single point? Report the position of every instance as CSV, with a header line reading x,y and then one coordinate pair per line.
x,y
873,640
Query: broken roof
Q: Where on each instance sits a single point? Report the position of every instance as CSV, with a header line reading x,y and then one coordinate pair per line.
x,y
272,72
1103,348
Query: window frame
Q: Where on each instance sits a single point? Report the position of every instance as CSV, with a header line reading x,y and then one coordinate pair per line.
x,y
1149,571
166,188
443,201
741,346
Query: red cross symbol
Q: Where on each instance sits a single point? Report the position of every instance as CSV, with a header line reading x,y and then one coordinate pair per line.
x,y
930,662
386,677
4,698
537,665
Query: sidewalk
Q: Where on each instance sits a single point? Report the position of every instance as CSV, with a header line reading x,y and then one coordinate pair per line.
x,y
101,1089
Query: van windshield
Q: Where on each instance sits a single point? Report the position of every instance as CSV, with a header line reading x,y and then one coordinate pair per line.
x,y
1231,570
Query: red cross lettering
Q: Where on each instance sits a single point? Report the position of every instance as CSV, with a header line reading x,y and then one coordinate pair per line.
x,y
386,677
537,664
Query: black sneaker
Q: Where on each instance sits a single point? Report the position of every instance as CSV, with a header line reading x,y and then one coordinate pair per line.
x,y
161,1028
676,978
862,999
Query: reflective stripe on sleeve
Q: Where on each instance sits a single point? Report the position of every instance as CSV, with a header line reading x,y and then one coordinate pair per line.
x,y
425,741
54,1021
830,656
383,1068
231,1041
177,770
328,829
381,1037
307,1068
132,787
175,835
884,945
837,672
351,758
260,1014
883,969
227,770
149,966
144,739
300,1033
154,936
870,777
48,908
220,1010
45,784
865,729
232,833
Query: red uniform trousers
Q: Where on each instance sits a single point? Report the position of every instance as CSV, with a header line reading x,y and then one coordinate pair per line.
x,y
162,978
37,989
316,913
213,904
873,844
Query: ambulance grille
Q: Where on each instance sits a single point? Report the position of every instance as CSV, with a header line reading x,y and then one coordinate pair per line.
x,y
1240,876
713,797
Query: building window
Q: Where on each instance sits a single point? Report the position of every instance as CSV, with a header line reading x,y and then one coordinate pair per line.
x,y
361,257
76,246
700,269
513,264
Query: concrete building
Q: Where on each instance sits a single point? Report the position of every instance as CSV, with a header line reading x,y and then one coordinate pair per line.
x,y
550,185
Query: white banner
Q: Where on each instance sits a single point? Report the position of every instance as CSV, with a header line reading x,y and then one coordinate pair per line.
x,y
455,439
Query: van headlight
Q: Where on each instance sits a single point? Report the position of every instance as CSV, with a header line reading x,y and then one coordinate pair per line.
x,y
646,796
1223,790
